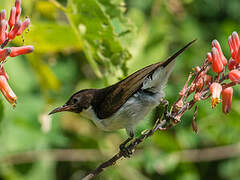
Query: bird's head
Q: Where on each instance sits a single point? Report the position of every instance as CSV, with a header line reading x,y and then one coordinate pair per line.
x,y
77,102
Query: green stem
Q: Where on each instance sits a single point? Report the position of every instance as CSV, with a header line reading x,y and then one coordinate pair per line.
x,y
58,5
90,59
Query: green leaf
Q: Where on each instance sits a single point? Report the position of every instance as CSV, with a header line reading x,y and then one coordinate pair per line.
x,y
50,37
93,27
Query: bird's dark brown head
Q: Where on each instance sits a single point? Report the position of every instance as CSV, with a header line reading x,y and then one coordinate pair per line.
x,y
77,102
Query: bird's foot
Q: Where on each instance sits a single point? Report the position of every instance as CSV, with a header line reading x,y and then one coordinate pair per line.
x,y
126,152
168,116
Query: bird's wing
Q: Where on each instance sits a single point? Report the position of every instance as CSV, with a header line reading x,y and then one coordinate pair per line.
x,y
116,95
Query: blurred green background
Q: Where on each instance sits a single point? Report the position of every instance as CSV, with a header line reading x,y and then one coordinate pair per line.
x,y
93,43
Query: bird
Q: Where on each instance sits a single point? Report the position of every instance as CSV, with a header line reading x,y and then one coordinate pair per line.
x,y
125,103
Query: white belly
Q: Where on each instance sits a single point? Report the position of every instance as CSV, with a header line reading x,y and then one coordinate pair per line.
x,y
134,110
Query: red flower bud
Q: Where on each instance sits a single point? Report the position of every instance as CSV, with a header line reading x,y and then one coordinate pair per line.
x,y
197,96
207,79
215,90
232,64
24,25
12,17
227,94
18,9
13,32
192,88
217,64
216,44
7,91
16,51
233,42
234,76
3,31
179,104
209,57
197,68
3,15
199,84
4,53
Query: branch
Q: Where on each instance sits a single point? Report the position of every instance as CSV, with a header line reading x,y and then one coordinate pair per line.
x,y
56,154
130,147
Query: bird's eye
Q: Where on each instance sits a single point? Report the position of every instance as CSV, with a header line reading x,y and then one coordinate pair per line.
x,y
75,100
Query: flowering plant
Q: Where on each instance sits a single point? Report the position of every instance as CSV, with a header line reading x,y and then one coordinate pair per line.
x,y
8,31
203,83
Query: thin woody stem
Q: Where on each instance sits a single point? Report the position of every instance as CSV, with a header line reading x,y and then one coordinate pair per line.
x,y
130,147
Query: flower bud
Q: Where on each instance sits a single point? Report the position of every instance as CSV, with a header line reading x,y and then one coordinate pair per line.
x,y
199,84
16,51
197,69
18,9
12,18
24,25
227,94
217,64
216,44
4,53
13,32
209,57
215,89
232,64
178,105
192,88
233,42
207,79
3,30
197,97
7,91
3,15
234,76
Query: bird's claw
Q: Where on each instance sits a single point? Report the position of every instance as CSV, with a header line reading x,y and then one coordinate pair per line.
x,y
125,151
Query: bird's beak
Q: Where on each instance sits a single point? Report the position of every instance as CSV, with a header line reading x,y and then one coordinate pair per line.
x,y
62,108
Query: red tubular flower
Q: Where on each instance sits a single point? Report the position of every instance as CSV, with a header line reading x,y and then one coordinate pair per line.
x,y
24,25
215,90
234,76
3,31
217,64
227,94
216,44
16,51
7,91
3,73
12,17
16,28
4,53
18,9
233,42
13,32
3,15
